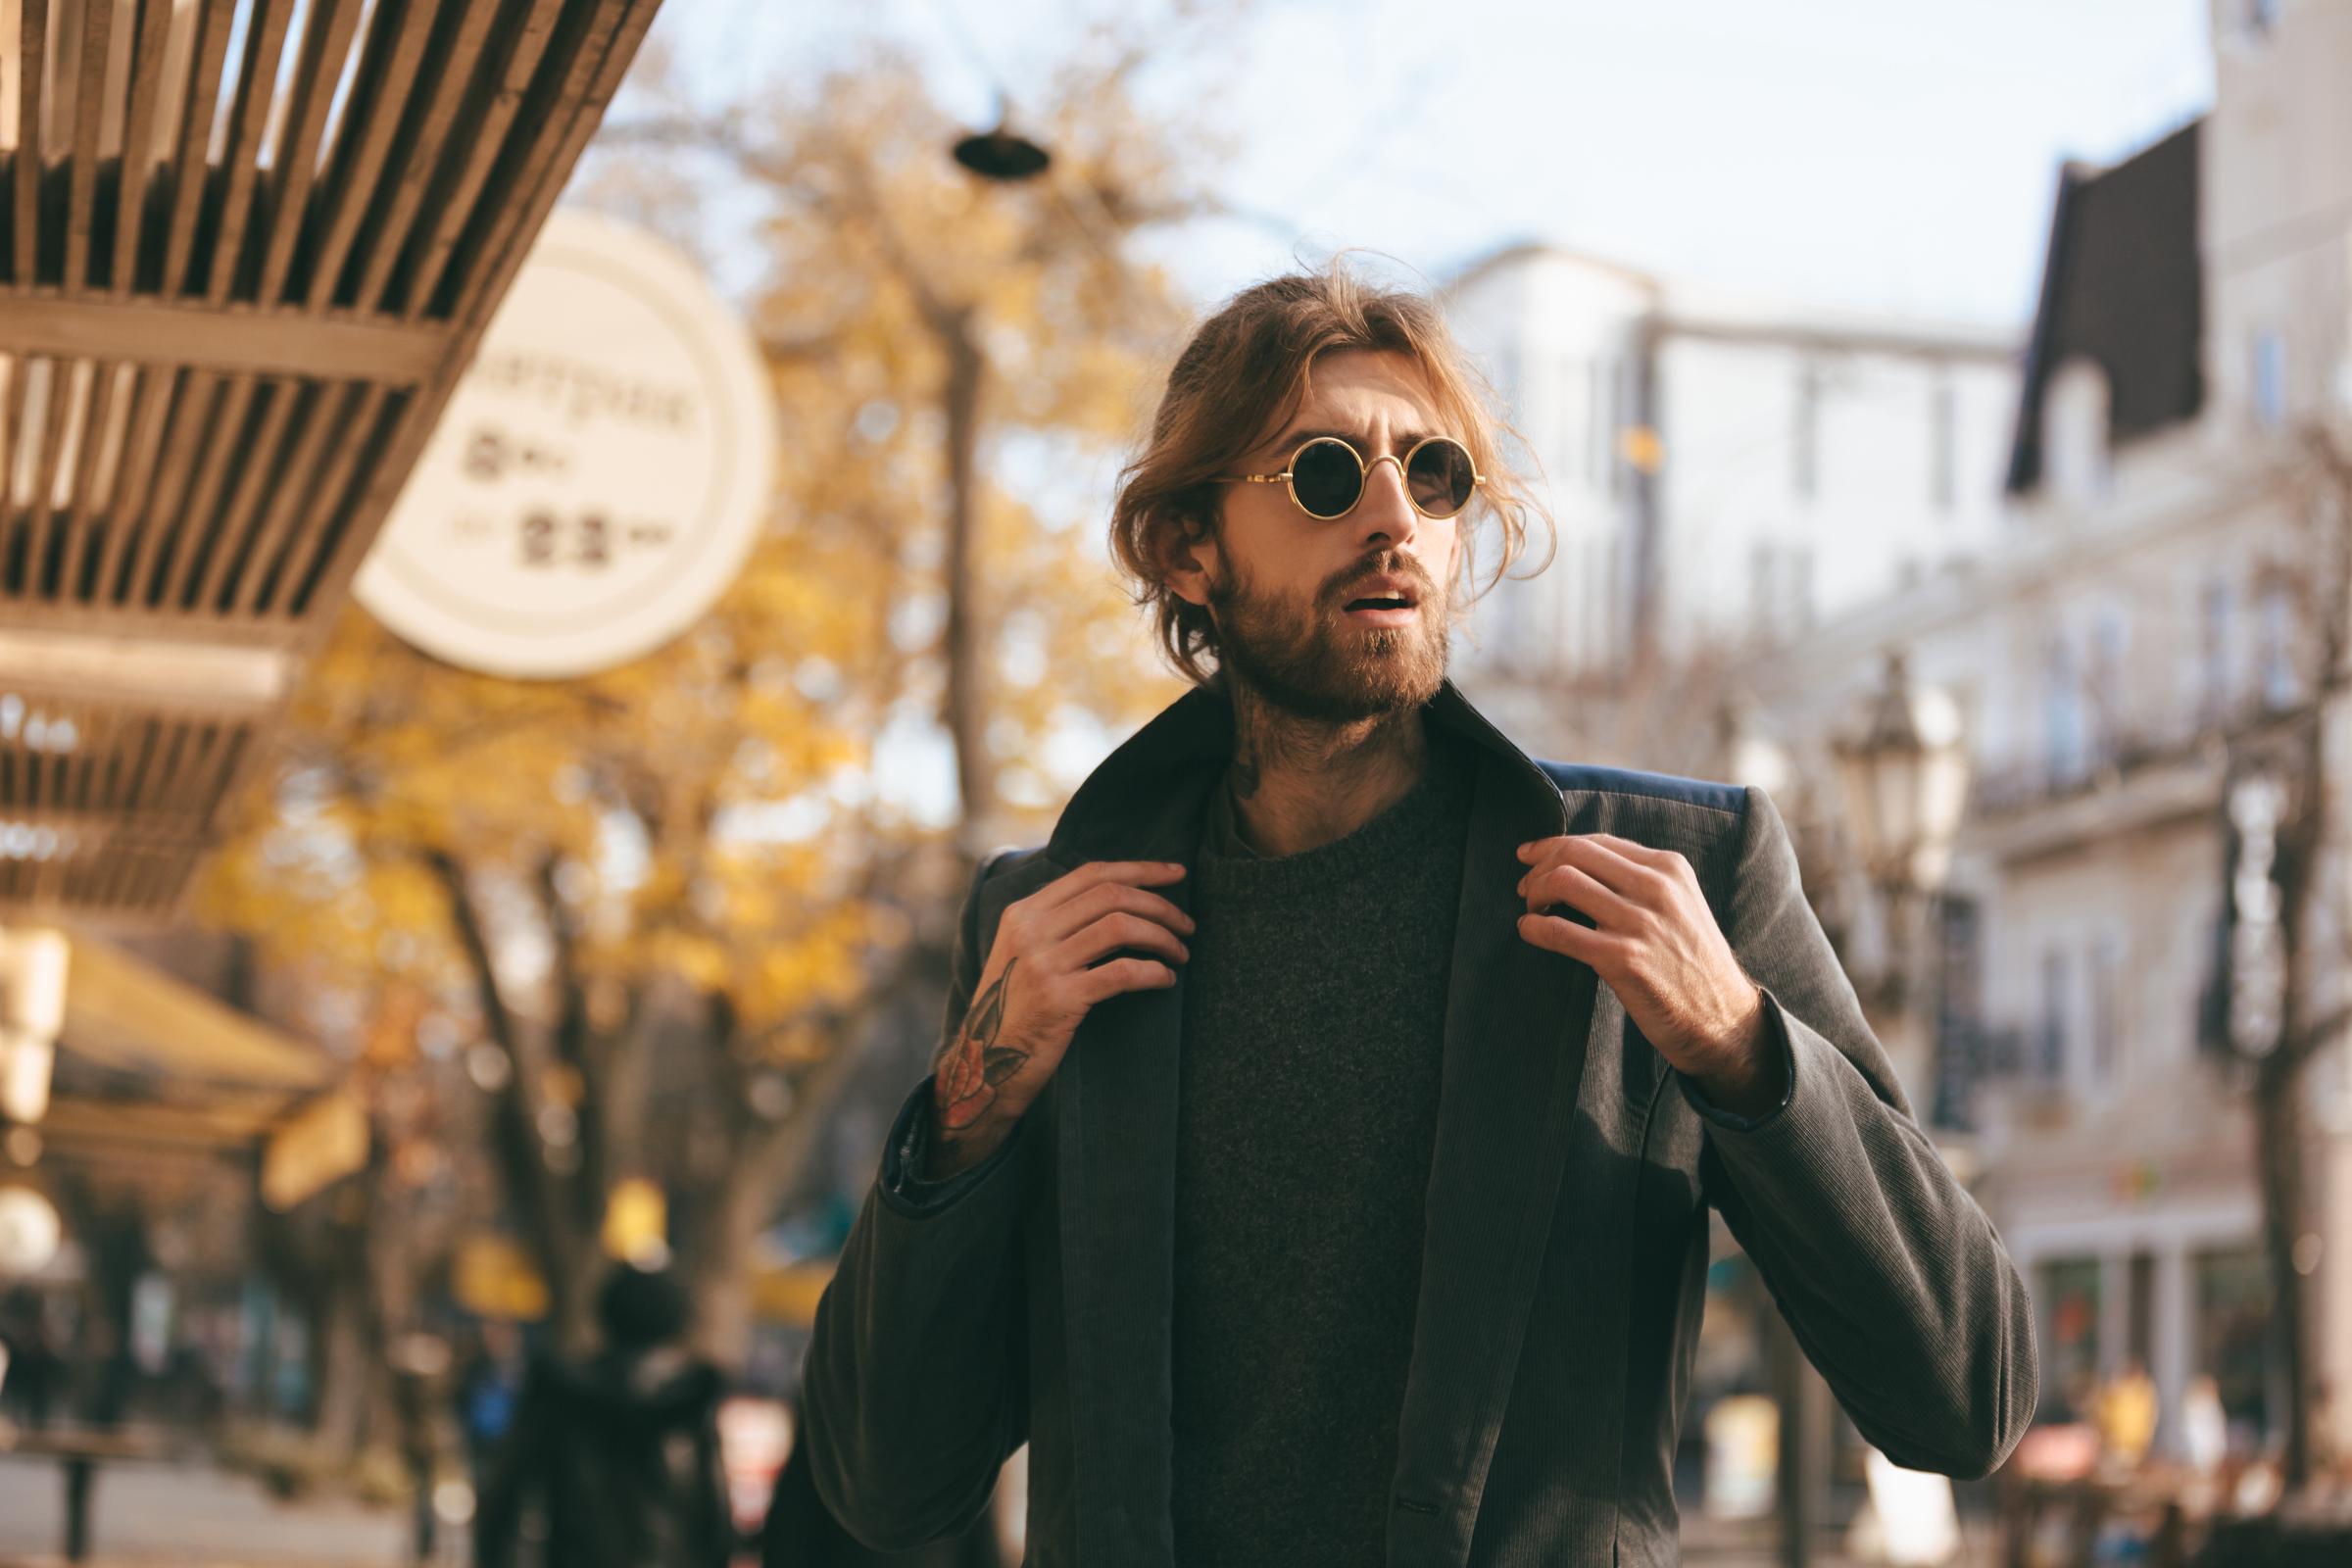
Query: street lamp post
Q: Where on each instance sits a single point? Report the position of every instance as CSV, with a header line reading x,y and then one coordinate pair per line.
x,y
1904,776
1904,779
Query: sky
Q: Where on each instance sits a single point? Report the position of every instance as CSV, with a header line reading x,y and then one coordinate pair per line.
x,y
1887,157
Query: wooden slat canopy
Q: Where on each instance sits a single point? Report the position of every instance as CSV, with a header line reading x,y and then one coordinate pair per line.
x,y
247,246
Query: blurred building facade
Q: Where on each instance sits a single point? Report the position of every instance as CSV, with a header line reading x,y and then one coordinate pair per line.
x,y
2149,612
1725,473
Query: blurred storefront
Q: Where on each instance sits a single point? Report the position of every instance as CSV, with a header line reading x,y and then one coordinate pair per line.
x,y
168,1124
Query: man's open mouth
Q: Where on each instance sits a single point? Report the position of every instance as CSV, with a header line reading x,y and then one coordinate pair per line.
x,y
1382,593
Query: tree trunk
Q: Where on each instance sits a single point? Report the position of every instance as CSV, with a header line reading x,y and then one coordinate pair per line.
x,y
769,1159
966,713
543,1204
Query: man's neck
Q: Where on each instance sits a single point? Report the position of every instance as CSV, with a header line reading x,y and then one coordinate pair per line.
x,y
1297,784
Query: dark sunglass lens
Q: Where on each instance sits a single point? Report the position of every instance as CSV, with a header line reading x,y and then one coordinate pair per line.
x,y
1440,477
1326,477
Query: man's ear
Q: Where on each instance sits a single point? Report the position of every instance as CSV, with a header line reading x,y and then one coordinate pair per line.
x,y
1188,554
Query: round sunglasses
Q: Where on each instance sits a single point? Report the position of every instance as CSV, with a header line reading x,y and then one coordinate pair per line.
x,y
1327,476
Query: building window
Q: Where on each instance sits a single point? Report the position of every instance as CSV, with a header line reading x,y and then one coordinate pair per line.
x,y
2104,720
2106,1008
1944,436
1507,382
2049,1053
2213,637
1780,590
2269,379
1571,418
1805,438
1613,452
2074,431
2277,621
1599,406
2062,715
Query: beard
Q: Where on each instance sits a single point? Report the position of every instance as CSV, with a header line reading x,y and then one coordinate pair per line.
x,y
1301,656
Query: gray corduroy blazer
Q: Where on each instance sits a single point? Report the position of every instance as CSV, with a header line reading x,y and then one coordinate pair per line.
x,y
1566,1220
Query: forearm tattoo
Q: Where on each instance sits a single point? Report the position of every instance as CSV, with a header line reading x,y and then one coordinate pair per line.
x,y
978,1061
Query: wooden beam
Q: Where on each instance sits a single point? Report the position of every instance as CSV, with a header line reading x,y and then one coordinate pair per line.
x,y
170,673
227,339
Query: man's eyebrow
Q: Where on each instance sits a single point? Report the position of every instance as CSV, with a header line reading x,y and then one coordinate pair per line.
x,y
1284,445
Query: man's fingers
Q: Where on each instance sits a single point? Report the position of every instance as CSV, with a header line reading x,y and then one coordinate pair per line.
x,y
1095,873
1597,855
1579,889
1122,976
1110,898
1635,851
1565,937
1111,933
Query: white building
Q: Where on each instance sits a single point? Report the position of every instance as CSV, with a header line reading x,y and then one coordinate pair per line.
x,y
1724,474
2148,610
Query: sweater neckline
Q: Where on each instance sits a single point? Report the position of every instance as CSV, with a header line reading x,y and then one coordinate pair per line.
x,y
1415,824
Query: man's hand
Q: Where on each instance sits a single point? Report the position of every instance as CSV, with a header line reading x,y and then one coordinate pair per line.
x,y
1045,973
1656,942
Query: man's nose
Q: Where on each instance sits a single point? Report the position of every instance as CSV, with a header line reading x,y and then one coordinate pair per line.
x,y
1386,511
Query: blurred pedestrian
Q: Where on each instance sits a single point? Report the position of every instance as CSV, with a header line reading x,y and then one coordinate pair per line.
x,y
34,1370
487,1390
2204,1425
419,1363
618,1454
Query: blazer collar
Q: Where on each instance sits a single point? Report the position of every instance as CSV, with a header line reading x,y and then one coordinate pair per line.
x,y
1145,790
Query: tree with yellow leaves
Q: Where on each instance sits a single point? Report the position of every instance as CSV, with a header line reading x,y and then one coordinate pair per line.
x,y
717,832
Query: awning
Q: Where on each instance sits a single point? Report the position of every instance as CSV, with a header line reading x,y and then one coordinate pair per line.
x,y
151,1066
132,1017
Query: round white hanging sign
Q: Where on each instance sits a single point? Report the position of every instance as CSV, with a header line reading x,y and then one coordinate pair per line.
x,y
598,475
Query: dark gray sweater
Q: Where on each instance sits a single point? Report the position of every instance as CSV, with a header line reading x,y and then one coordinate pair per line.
x,y
1313,1030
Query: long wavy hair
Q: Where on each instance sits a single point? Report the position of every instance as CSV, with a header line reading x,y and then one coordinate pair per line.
x,y
1245,370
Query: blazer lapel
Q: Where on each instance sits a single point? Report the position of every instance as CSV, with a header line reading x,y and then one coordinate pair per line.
x,y
1115,1142
1517,1022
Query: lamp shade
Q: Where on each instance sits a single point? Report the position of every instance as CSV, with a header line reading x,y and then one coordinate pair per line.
x,y
1002,154
1905,780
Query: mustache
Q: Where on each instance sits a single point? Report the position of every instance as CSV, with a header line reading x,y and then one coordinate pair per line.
x,y
1340,589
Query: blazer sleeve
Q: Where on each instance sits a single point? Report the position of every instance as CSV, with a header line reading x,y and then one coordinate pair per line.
x,y
1892,1279
915,1388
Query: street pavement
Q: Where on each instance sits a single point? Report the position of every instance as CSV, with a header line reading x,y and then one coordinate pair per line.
x,y
146,1515
186,1515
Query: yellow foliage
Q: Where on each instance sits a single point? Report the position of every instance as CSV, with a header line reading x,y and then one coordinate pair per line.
x,y
716,811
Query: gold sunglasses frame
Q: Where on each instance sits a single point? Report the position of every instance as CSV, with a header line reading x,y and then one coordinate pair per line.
x,y
1365,478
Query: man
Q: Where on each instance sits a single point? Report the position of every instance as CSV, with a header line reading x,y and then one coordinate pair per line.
x,y
619,1453
1317,1170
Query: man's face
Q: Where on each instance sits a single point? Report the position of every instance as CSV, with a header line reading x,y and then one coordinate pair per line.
x,y
1292,593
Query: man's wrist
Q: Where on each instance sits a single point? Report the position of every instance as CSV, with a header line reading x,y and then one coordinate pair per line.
x,y
1751,1082
950,1153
